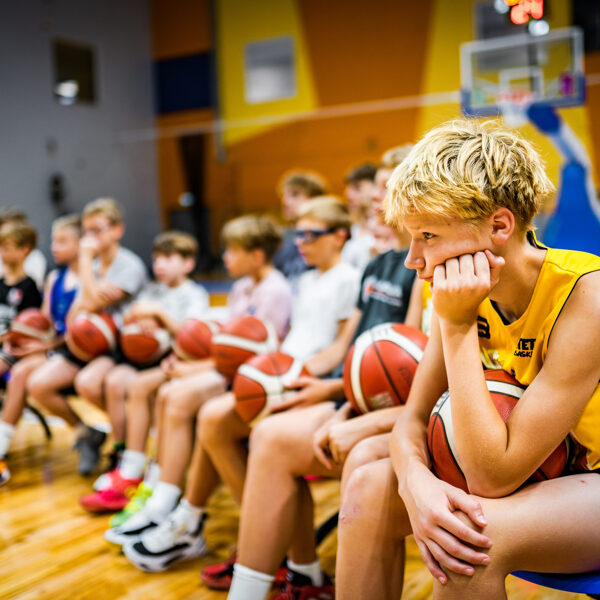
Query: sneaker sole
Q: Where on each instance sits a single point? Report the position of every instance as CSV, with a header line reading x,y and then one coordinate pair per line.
x,y
151,564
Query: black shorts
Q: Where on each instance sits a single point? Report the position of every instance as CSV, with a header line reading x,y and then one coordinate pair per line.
x,y
65,353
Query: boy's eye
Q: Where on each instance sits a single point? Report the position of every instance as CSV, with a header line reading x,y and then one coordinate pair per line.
x,y
427,235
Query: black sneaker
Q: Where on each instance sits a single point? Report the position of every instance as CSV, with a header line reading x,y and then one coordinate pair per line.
x,y
88,445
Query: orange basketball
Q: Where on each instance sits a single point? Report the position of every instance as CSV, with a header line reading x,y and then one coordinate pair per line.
x,y
259,383
144,345
505,392
91,334
380,366
193,339
239,340
31,323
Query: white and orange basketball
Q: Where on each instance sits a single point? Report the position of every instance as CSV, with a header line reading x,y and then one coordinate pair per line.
x,y
144,343
31,324
239,340
193,339
260,384
91,334
505,392
380,366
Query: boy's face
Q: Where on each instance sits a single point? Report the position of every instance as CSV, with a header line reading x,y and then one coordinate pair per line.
x,y
170,269
359,195
13,255
316,242
379,190
292,199
102,230
240,262
65,245
434,241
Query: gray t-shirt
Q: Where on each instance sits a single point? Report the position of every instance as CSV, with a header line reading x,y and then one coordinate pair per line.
x,y
186,301
128,272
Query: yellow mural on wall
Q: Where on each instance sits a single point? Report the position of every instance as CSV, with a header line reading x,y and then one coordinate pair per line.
x,y
239,22
451,25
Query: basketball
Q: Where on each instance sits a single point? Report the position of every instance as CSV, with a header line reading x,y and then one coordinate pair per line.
x,y
259,384
146,344
91,334
193,339
505,392
239,340
380,366
29,324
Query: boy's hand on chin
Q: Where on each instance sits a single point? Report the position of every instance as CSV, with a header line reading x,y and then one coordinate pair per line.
x,y
461,284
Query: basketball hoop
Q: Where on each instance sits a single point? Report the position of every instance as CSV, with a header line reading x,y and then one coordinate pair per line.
x,y
513,105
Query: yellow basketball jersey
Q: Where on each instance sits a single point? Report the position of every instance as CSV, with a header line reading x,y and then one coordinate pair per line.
x,y
520,347
426,308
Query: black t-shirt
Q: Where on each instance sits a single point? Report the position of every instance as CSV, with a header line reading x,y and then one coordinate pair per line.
x,y
15,298
385,291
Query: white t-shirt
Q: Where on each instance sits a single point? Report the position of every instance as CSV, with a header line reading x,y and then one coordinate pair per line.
x,y
357,250
322,301
189,300
128,272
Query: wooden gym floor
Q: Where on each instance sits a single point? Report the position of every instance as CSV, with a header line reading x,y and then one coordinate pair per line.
x,y
50,548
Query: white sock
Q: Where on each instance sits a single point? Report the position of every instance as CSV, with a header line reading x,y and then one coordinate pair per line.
x,y
312,571
163,500
132,464
248,584
188,514
6,432
152,474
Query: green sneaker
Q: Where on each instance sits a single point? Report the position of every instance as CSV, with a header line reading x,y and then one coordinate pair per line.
x,y
137,502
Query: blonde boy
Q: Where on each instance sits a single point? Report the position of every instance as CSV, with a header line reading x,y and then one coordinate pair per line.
x,y
110,276
467,194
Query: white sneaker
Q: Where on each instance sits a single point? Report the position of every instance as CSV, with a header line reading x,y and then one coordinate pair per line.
x,y
133,529
158,548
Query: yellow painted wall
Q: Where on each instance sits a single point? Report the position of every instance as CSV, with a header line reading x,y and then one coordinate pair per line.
x,y
239,22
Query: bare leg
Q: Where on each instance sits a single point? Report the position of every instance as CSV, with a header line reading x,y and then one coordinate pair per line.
x,y
117,383
89,381
183,400
281,454
141,391
15,397
366,451
547,527
45,383
372,527
222,435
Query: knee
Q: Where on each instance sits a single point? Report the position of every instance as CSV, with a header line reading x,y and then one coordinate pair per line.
x,y
19,371
361,491
37,385
86,386
178,408
114,384
211,425
362,454
269,437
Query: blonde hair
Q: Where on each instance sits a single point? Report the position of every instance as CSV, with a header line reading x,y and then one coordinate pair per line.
x,y
21,233
468,169
329,209
175,242
252,232
72,221
107,207
309,182
394,156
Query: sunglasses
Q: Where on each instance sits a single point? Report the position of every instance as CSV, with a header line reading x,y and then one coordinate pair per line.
x,y
310,235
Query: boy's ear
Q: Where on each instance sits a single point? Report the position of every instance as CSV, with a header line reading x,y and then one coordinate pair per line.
x,y
119,229
260,256
502,225
189,264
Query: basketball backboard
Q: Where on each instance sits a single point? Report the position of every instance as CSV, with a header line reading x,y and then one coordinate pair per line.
x,y
502,73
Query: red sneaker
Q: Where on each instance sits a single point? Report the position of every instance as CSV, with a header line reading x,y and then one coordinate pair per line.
x,y
300,587
113,498
219,576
